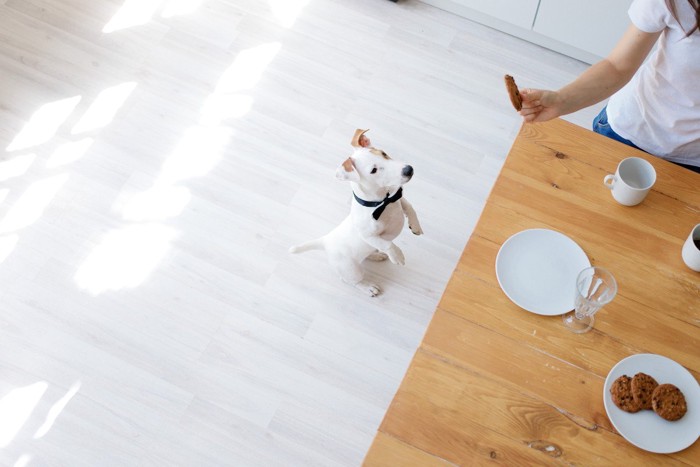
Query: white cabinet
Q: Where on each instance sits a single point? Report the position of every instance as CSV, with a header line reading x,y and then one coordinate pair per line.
x,y
591,25
520,13
583,29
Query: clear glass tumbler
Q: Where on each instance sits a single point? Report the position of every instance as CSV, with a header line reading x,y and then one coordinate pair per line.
x,y
595,287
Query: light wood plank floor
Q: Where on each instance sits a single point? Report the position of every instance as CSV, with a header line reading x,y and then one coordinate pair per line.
x,y
158,159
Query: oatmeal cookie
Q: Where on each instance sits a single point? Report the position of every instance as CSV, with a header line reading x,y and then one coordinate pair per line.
x,y
515,97
643,386
621,392
669,402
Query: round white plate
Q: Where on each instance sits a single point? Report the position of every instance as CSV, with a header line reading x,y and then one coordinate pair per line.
x,y
537,270
645,429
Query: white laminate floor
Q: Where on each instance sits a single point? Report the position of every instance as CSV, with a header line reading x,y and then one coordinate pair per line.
x,y
157,159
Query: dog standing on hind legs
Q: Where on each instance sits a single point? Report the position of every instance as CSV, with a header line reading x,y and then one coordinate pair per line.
x,y
376,214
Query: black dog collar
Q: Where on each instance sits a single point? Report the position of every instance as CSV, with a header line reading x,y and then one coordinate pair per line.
x,y
380,205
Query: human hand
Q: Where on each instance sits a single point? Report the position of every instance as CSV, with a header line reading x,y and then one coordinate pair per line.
x,y
539,105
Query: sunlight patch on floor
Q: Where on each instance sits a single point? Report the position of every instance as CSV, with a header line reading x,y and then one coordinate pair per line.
x,y
102,110
196,154
229,99
125,258
132,13
18,405
7,245
42,126
287,11
68,153
15,409
23,460
56,410
16,167
219,107
157,204
31,204
247,68
180,8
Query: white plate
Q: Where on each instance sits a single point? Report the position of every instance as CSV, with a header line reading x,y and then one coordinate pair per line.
x,y
537,270
645,429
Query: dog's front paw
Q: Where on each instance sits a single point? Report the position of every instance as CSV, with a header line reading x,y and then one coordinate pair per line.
x,y
415,228
396,255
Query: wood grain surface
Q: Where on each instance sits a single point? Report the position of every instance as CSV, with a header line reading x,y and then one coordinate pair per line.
x,y
493,383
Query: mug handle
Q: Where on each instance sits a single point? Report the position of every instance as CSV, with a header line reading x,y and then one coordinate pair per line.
x,y
609,181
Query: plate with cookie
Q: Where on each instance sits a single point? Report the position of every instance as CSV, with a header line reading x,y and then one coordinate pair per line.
x,y
653,402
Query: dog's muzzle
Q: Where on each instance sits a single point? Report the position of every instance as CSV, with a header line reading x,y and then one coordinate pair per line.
x,y
407,172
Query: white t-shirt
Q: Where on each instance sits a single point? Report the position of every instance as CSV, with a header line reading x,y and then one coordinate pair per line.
x,y
659,109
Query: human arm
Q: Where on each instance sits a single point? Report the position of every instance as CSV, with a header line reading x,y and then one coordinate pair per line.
x,y
597,83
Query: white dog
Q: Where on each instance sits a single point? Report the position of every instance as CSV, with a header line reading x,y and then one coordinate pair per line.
x,y
376,215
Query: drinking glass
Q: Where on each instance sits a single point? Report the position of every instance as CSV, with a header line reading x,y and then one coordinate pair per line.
x,y
595,287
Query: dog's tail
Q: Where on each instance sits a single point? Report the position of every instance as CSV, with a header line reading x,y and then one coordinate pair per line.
x,y
310,245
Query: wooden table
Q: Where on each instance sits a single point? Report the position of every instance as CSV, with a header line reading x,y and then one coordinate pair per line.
x,y
492,382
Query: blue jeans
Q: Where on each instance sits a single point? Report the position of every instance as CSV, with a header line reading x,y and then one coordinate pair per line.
x,y
601,126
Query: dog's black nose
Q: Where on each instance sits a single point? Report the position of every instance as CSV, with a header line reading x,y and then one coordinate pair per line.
x,y
407,171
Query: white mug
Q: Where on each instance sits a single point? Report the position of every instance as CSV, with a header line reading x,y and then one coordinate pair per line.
x,y
691,249
632,181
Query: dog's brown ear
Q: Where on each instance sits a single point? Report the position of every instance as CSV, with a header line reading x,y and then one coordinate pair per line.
x,y
346,172
359,140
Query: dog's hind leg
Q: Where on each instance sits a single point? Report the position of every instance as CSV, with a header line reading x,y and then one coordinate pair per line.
x,y
351,272
369,288
378,256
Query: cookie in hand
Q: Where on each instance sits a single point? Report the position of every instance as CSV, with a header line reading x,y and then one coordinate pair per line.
x,y
515,98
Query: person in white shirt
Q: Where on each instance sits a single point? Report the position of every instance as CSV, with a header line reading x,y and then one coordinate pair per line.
x,y
654,104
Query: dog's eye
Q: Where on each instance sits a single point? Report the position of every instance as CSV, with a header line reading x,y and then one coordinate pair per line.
x,y
373,171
